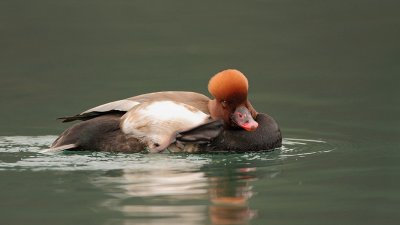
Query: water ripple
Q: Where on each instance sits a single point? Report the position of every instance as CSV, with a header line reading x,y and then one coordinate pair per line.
x,y
294,147
22,152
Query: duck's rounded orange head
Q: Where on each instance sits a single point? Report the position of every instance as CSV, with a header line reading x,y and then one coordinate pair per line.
x,y
230,88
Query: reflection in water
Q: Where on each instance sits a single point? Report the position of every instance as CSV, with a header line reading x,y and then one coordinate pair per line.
x,y
180,197
167,188
156,196
229,195
167,214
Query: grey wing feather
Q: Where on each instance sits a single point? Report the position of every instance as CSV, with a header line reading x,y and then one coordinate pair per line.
x,y
203,133
116,107
120,105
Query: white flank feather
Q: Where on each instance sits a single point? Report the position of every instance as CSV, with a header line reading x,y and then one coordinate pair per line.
x,y
156,123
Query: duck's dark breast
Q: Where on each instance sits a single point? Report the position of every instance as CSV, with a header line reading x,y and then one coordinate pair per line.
x,y
266,137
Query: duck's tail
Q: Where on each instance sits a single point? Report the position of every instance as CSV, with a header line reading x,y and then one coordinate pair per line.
x,y
58,149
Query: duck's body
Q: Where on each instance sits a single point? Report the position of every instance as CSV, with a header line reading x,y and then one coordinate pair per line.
x,y
104,134
152,121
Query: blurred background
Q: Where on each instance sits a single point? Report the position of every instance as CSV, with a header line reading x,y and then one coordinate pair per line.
x,y
338,60
327,71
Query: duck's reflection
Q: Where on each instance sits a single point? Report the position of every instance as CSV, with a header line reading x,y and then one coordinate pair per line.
x,y
181,197
229,194
168,184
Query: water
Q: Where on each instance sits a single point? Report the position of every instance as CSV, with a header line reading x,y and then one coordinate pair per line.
x,y
143,188
326,71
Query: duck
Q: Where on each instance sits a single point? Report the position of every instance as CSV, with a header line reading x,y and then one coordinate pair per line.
x,y
177,121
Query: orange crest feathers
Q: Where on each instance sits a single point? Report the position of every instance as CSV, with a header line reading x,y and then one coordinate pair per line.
x,y
229,85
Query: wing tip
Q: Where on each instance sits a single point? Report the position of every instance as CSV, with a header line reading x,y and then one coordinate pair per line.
x,y
58,149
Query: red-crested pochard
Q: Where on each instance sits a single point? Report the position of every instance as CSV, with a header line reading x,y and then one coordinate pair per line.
x,y
177,121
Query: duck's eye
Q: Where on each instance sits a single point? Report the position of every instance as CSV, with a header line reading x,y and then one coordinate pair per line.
x,y
224,103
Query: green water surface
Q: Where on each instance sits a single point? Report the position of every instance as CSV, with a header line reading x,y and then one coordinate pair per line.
x,y
327,71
